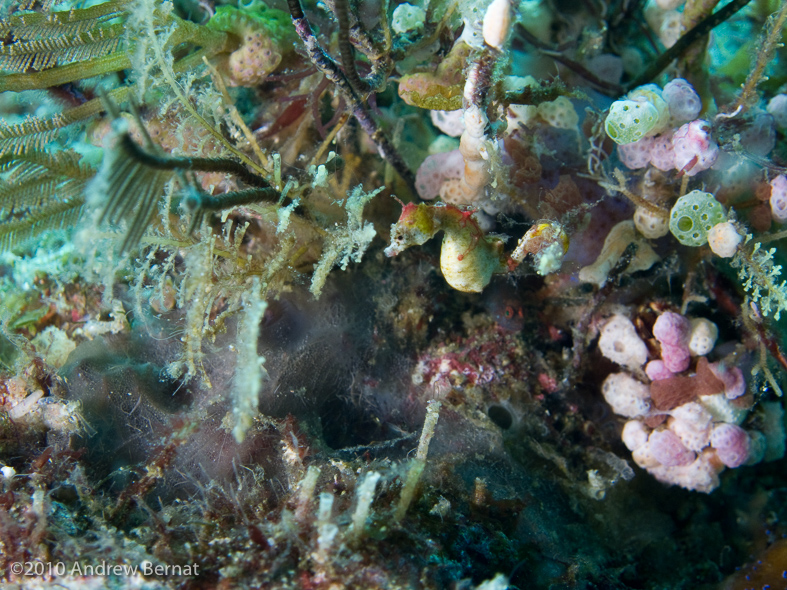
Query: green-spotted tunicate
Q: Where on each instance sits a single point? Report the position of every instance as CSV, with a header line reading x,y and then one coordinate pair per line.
x,y
641,114
693,216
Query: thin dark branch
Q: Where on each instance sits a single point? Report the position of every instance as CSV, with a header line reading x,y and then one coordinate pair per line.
x,y
569,63
589,76
199,202
199,164
333,72
342,12
703,28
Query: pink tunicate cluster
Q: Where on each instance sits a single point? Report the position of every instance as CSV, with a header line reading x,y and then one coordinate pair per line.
x,y
683,101
684,425
690,149
672,330
779,198
435,170
694,148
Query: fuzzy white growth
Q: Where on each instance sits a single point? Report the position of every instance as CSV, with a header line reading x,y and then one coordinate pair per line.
x,y
363,508
418,465
249,368
326,528
550,259
283,216
347,243
305,491
497,24
54,345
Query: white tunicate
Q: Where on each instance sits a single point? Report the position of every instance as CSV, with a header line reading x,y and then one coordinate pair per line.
x,y
620,343
627,396
497,23
777,107
635,434
449,122
683,101
671,28
703,336
643,113
669,4
651,225
559,113
759,136
724,239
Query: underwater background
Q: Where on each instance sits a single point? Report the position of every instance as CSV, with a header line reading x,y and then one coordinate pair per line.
x,y
442,294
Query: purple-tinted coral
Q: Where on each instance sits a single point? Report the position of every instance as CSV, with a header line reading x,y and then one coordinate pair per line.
x,y
672,330
668,449
731,443
637,154
657,370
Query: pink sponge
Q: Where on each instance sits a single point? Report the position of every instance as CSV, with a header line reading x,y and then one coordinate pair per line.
x,y
435,170
667,449
636,155
731,443
656,370
662,155
676,358
672,330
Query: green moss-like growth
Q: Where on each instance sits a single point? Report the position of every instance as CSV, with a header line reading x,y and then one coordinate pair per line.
x,y
276,24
